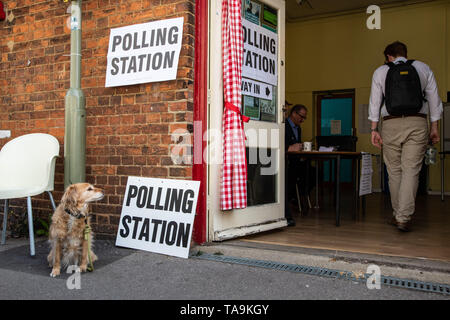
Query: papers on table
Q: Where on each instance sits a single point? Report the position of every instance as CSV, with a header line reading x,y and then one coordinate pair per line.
x,y
327,149
365,184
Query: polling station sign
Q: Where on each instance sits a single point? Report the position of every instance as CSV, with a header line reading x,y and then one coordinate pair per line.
x,y
260,53
141,53
158,215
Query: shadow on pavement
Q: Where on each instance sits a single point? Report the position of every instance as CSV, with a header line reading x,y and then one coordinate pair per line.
x,y
19,259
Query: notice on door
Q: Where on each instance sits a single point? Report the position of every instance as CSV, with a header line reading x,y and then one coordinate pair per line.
x,y
335,127
260,53
256,89
158,215
142,53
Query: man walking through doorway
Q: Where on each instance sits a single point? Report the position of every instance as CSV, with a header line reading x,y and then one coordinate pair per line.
x,y
407,92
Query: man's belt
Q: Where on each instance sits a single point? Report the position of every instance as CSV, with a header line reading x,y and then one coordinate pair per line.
x,y
421,115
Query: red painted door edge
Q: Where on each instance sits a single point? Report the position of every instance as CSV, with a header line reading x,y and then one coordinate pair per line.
x,y
199,170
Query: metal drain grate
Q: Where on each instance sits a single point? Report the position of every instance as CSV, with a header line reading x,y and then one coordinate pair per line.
x,y
330,273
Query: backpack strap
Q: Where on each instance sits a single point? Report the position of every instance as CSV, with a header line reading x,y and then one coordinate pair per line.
x,y
410,62
390,64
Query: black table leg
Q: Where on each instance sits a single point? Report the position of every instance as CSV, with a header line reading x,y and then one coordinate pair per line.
x,y
333,175
308,167
355,189
338,194
442,175
317,185
364,205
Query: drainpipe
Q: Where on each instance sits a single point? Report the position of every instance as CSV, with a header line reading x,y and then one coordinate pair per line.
x,y
75,114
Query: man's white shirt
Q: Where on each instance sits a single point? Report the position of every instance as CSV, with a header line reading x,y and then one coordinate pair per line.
x,y
432,105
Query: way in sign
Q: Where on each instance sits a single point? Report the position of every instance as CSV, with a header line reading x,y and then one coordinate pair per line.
x,y
250,87
256,89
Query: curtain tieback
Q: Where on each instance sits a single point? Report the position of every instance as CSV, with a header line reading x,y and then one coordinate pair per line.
x,y
232,107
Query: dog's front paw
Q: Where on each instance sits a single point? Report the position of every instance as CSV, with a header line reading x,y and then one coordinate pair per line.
x,y
83,267
55,272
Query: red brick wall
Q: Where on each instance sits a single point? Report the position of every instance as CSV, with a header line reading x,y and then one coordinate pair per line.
x,y
128,129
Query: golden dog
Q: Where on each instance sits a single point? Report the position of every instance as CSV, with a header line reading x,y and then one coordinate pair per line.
x,y
67,230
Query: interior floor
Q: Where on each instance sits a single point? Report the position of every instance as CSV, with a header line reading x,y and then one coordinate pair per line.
x,y
369,233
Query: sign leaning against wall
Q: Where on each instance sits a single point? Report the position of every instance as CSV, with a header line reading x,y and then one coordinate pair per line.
x,y
158,215
147,52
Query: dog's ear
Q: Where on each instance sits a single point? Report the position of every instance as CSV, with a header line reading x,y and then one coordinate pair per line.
x,y
69,198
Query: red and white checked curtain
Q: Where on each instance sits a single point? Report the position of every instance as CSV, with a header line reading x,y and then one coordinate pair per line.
x,y
233,189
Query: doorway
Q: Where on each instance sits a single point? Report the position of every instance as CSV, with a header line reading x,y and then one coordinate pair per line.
x,y
311,41
263,99
335,127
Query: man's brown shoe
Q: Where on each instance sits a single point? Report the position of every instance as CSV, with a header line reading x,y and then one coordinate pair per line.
x,y
393,221
404,226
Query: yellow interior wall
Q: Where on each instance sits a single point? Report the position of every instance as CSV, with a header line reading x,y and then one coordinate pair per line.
x,y
341,53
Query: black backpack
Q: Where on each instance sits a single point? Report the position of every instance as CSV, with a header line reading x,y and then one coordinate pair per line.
x,y
403,91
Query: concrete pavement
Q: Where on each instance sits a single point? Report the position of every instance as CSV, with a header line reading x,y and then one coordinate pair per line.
x,y
124,274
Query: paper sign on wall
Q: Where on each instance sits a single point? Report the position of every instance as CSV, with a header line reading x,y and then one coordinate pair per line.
x,y
158,215
146,52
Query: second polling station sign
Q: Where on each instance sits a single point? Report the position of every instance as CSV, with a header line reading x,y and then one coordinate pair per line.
x,y
158,215
147,52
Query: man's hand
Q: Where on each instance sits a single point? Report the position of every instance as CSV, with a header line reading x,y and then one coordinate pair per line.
x,y
296,147
376,139
434,133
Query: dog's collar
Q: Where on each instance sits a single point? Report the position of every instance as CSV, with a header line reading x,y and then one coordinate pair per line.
x,y
76,215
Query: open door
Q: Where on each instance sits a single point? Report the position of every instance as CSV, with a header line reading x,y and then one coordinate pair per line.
x,y
263,102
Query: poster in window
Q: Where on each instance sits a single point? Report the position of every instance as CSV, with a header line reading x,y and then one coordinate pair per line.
x,y
260,56
251,107
270,18
268,108
252,11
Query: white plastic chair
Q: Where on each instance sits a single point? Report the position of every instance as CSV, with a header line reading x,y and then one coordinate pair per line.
x,y
27,168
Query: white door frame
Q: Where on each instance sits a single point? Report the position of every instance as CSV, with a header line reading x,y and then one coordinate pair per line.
x,y
240,222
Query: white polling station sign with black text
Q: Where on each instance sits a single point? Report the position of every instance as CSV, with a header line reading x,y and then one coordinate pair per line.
x,y
158,215
142,53
260,60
